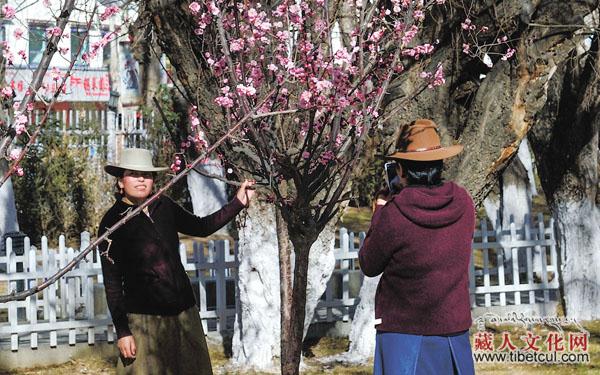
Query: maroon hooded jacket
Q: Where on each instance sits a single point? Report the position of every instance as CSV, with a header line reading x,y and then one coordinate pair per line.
x,y
421,241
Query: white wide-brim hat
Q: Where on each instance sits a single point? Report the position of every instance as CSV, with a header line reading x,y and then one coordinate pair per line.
x,y
134,159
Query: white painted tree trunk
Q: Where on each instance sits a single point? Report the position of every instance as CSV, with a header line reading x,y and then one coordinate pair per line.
x,y
257,326
518,185
208,194
320,267
256,339
8,210
578,229
362,333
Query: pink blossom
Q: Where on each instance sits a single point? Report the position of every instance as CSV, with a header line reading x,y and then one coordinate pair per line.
x,y
63,50
410,34
7,92
224,101
305,98
503,39
23,54
19,171
376,36
53,31
212,8
109,12
419,15
484,29
194,7
46,3
466,25
20,123
466,48
440,2
18,33
15,153
236,45
438,77
8,12
245,90
509,53
29,107
326,157
272,67
305,155
323,85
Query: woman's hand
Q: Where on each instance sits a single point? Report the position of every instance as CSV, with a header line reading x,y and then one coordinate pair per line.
x,y
246,192
381,198
127,347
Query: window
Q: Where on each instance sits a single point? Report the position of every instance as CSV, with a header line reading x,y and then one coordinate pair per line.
x,y
79,37
37,43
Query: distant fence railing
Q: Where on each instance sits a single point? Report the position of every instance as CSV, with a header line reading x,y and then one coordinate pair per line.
x,y
74,309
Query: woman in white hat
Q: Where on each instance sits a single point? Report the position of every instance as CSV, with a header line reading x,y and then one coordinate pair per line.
x,y
420,240
149,294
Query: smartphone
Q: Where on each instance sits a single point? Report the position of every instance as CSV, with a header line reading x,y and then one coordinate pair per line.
x,y
390,175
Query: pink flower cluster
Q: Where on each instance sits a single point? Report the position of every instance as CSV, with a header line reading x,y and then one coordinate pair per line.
x,y
109,12
176,165
97,46
53,31
8,11
269,50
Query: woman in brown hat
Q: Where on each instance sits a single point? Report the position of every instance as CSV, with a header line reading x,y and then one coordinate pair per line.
x,y
149,294
420,239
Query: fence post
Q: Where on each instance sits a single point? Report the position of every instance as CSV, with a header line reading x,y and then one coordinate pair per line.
x,y
542,237
529,255
486,263
221,247
515,261
32,306
199,260
11,268
51,301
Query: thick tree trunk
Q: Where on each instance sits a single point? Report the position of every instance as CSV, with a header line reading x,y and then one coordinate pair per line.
x,y
291,352
257,325
286,287
565,140
362,334
256,338
321,263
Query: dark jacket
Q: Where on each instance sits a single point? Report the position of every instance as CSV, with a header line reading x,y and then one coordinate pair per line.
x,y
141,265
421,241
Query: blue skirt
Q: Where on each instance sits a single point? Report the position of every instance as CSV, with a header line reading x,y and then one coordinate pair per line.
x,y
404,354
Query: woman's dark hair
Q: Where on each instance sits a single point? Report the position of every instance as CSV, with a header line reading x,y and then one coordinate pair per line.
x,y
427,173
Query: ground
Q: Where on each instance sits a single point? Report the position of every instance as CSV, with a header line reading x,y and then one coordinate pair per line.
x,y
327,346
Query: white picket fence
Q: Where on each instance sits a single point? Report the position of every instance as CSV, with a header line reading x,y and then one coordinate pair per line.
x,y
74,309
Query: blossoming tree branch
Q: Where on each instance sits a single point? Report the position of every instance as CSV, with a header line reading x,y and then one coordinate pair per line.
x,y
329,65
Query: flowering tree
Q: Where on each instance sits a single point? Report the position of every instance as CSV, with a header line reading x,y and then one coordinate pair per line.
x,y
321,71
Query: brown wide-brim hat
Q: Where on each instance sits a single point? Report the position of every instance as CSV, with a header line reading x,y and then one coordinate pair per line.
x,y
134,159
420,141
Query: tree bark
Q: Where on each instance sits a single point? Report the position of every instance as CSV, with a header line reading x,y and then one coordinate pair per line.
x,y
565,140
286,287
257,326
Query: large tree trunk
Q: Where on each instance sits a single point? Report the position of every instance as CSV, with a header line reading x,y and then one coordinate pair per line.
x,y
565,140
257,327
362,334
256,340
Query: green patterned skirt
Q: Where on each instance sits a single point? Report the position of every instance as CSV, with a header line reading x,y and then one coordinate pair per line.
x,y
169,345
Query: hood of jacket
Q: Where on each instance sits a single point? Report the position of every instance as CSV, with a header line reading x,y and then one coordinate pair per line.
x,y
432,207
